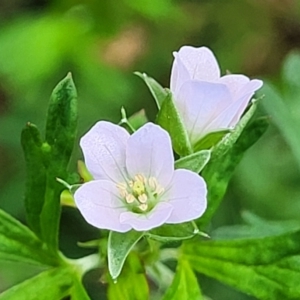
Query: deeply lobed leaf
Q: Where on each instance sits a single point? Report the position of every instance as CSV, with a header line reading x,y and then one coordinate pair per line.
x,y
49,285
132,283
36,175
18,243
266,268
185,285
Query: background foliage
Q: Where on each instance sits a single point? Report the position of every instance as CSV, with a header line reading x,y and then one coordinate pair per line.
x,y
103,43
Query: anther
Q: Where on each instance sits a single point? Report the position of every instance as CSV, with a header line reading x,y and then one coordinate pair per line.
x,y
122,186
143,207
123,193
129,198
159,190
143,198
152,183
139,177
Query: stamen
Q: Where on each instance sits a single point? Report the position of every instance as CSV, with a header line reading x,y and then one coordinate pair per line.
x,y
143,198
123,193
159,190
122,186
140,191
139,177
143,207
152,183
129,198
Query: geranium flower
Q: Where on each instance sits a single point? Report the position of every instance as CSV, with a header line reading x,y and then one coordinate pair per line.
x,y
206,101
135,185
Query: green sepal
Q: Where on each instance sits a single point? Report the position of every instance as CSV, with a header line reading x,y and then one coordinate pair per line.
x,y
135,121
173,232
266,268
210,140
36,175
169,118
230,139
89,244
185,284
83,171
221,166
132,283
194,162
138,119
158,92
118,248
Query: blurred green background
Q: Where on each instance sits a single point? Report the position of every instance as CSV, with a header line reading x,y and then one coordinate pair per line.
x,y
102,42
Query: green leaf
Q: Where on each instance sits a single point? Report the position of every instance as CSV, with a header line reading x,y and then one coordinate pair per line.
x,y
266,268
220,168
118,248
169,119
62,117
290,74
18,243
132,283
210,140
285,115
173,232
160,274
78,291
185,285
158,92
194,162
36,175
256,227
48,285
60,135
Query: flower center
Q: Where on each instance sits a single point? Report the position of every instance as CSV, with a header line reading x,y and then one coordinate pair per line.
x,y
141,193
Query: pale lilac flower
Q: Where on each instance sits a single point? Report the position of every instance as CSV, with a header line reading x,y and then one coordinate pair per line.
x,y
135,185
206,101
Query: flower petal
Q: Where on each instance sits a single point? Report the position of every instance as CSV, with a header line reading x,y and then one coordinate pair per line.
x,y
199,103
240,85
235,83
179,75
99,204
187,195
232,114
143,222
252,86
149,152
200,63
239,109
104,149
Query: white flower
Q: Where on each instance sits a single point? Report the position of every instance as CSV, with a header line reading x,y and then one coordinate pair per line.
x,y
206,101
135,185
